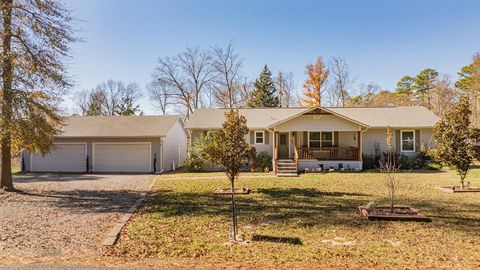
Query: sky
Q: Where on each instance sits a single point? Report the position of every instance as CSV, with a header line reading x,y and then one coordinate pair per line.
x,y
381,40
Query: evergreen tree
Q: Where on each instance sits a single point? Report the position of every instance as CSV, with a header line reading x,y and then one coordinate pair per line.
x,y
424,83
405,85
457,143
469,84
264,93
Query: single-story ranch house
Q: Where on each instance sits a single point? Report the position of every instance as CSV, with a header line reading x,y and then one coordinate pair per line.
x,y
328,137
144,144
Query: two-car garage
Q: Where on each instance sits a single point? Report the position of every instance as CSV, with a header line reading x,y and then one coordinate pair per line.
x,y
136,144
106,157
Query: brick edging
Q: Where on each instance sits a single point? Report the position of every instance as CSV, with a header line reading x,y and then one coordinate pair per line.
x,y
114,233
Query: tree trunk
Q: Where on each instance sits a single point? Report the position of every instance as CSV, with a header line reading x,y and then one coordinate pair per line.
x,y
234,210
6,107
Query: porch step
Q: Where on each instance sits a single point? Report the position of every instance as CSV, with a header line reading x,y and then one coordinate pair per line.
x,y
286,168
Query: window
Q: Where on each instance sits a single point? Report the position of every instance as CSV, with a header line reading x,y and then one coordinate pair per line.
x,y
327,139
320,139
314,139
408,140
283,139
259,137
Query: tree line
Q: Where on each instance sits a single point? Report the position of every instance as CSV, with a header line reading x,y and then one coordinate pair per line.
x,y
210,78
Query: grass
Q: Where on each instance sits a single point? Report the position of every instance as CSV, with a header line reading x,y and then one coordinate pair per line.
x,y
16,169
306,222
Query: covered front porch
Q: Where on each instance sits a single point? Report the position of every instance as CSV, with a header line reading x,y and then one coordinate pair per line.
x,y
317,150
315,140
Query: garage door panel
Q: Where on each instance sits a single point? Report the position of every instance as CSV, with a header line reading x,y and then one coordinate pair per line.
x,y
62,158
127,157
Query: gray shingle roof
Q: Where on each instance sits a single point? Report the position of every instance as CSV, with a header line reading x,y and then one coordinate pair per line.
x,y
256,118
404,116
118,126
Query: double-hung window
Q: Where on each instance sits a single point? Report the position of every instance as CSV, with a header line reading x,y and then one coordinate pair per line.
x,y
320,139
408,140
259,137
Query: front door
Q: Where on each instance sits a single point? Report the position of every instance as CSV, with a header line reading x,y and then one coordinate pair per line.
x,y
283,145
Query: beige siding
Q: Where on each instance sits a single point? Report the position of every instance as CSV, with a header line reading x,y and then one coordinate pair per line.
x,y
347,139
380,135
175,147
373,136
266,147
426,137
318,123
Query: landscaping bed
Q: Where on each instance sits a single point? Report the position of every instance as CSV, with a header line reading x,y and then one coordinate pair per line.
x,y
458,189
400,213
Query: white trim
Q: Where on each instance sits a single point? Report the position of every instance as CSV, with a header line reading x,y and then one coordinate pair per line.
x,y
322,108
401,141
255,136
289,144
85,153
147,143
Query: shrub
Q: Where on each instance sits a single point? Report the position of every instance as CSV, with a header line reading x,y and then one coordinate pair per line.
x,y
262,162
195,163
369,162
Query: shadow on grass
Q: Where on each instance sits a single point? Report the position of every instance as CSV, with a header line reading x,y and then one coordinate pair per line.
x,y
305,192
274,239
303,208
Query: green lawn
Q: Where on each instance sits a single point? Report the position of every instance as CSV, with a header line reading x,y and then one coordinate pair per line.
x,y
294,220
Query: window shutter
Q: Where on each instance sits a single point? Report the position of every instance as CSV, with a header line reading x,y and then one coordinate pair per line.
x,y
397,141
266,138
252,137
335,138
417,140
305,139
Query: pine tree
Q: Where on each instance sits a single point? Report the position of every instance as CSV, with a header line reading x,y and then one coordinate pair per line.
x,y
469,84
264,93
424,83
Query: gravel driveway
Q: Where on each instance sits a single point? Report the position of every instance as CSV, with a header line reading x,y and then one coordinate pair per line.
x,y
64,214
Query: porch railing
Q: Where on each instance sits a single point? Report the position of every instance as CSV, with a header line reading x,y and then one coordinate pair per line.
x,y
329,153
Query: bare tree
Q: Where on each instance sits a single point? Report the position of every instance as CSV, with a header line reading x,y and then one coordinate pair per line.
x,y
337,92
227,84
161,95
110,98
286,88
189,73
443,96
365,94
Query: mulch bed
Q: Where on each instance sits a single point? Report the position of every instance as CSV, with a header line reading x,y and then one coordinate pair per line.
x,y
228,191
400,213
457,189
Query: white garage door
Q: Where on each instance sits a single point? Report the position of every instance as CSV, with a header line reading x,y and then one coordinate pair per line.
x,y
64,157
122,157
